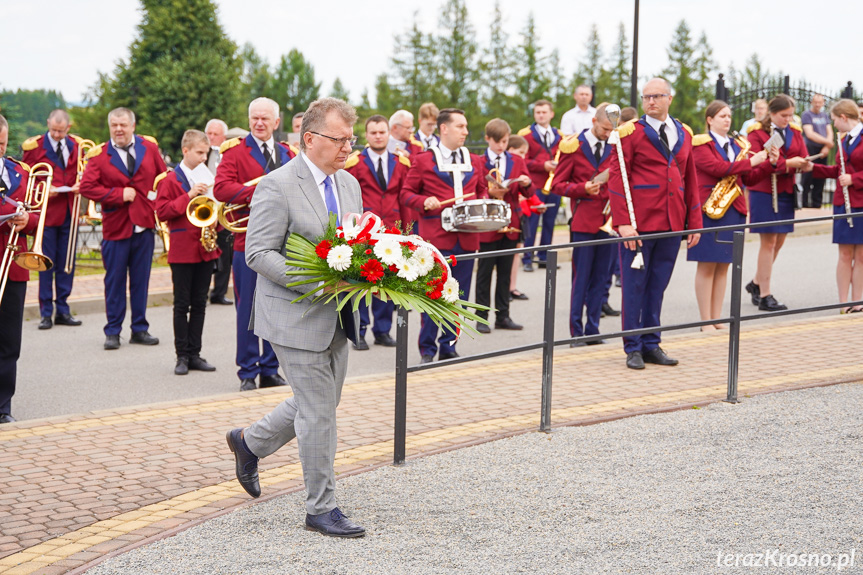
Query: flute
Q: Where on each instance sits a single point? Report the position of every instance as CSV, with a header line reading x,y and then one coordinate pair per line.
x,y
845,195
773,189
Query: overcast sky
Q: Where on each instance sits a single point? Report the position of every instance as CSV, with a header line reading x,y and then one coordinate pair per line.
x,y
63,44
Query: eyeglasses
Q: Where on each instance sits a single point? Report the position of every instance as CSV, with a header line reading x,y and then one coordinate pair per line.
x,y
340,142
648,97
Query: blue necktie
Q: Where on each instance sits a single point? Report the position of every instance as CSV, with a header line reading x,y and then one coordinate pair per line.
x,y
330,197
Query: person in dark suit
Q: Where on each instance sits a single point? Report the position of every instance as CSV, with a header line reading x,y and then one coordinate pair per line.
x,y
120,175
657,153
216,131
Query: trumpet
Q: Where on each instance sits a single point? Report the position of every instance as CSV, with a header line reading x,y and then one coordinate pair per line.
x,y
84,147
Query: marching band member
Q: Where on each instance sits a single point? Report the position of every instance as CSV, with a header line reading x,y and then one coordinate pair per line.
x,y
849,270
244,160
508,167
773,183
542,140
663,188
119,175
13,185
381,175
402,140
441,174
583,157
528,206
216,131
715,159
190,257
427,124
57,148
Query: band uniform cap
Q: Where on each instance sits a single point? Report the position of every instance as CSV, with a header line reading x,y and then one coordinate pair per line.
x,y
701,139
31,143
352,160
753,127
569,144
524,132
228,144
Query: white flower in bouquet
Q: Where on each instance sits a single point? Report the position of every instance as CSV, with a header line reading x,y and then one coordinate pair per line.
x,y
408,270
389,252
424,260
339,258
349,231
450,290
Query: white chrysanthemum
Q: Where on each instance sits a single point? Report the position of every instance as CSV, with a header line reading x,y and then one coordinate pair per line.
x,y
424,260
339,258
408,270
389,252
450,290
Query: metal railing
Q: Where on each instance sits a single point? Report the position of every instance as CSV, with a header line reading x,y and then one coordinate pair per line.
x,y
548,343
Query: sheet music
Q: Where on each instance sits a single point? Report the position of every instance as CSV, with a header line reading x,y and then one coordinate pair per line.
x,y
774,141
601,177
203,175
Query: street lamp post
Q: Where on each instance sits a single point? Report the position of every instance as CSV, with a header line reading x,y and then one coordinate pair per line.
x,y
633,93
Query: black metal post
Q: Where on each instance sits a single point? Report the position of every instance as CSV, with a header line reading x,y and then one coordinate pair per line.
x,y
786,85
734,328
633,92
593,94
720,87
401,413
548,339
848,91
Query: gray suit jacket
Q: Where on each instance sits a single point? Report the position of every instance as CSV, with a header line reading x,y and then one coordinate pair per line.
x,y
288,201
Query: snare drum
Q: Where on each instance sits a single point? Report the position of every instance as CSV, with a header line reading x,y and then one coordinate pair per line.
x,y
476,216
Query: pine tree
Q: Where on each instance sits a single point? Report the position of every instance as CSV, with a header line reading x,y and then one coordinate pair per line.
x,y
339,91
705,67
457,61
619,70
414,70
388,98
293,84
532,81
256,74
590,70
496,79
682,73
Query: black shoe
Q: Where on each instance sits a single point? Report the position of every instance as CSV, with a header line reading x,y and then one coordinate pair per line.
x,y
248,384
426,359
361,344
246,463
482,327
442,356
334,523
274,380
577,344
182,367
528,267
198,363
65,319
607,310
769,303
634,360
754,289
515,294
385,340
657,356
144,338
6,418
595,342
45,323
507,323
221,300
112,342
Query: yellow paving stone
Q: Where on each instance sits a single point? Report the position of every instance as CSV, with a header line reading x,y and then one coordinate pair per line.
x,y
25,569
67,550
131,515
20,557
94,540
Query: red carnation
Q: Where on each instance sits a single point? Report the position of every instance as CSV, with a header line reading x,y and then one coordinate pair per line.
x,y
412,247
372,270
368,252
436,294
323,249
394,268
452,260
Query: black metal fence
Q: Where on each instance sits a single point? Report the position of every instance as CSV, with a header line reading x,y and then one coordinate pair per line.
x,y
548,343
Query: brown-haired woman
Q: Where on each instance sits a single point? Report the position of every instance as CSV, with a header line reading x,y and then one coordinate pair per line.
x,y
715,156
775,176
849,270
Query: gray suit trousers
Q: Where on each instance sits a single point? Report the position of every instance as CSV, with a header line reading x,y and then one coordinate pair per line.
x,y
316,378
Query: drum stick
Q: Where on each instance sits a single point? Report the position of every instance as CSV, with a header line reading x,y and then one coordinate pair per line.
x,y
451,200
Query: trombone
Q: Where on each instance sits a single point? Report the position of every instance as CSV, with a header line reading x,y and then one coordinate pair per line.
x,y
84,147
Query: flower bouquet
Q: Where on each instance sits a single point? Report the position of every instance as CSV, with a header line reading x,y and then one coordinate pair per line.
x,y
363,258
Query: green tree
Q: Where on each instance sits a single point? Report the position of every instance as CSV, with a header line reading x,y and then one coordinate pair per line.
x,y
256,76
90,121
532,81
683,74
293,84
620,70
388,98
497,72
705,68
590,69
457,61
415,71
339,91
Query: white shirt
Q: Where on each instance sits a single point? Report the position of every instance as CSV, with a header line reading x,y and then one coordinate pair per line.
x,y
855,131
373,156
63,147
395,145
722,140
542,134
592,140
446,154
4,173
575,121
670,131
319,177
121,151
187,171
271,146
502,163
427,141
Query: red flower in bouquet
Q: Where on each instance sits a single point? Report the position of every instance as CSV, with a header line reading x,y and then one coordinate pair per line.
x,y
372,270
452,261
323,249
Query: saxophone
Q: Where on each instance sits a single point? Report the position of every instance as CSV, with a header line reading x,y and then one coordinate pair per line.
x,y
727,189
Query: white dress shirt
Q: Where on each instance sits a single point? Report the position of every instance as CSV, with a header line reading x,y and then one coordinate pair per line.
x,y
722,141
670,131
545,134
319,177
123,156
394,145
64,148
853,134
592,140
271,146
4,173
575,121
374,156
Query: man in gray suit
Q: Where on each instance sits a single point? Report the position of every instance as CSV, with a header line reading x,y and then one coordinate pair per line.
x,y
308,340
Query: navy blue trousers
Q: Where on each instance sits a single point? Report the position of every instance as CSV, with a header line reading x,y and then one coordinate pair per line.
x,y
463,273
55,244
590,272
130,258
548,219
382,311
643,290
250,359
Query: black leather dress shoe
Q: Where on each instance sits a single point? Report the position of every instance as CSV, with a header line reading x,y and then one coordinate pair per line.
x,y
221,300
483,327
112,342
755,291
577,344
246,463
66,319
45,323
634,360
335,524
198,363
248,384
6,418
361,344
426,359
274,380
657,356
507,323
452,355
528,267
515,294
182,367
609,311
144,338
595,342
769,303
385,340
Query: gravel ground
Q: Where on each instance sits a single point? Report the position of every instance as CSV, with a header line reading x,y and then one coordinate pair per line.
x,y
667,494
